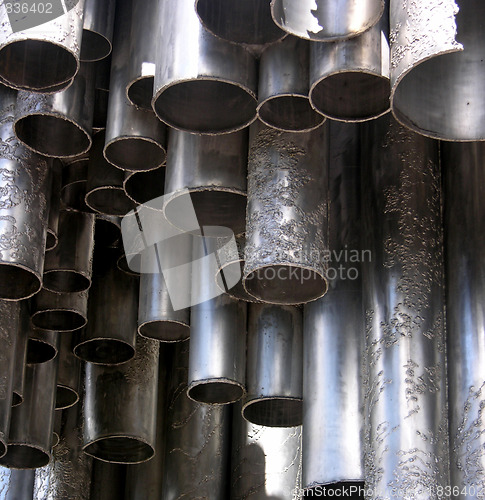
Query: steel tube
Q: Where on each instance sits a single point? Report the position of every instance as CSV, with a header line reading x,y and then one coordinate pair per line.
x,y
68,267
213,170
107,230
436,71
107,481
101,94
41,50
42,346
142,187
404,357
283,88
58,124
332,455
287,189
121,428
68,376
18,381
350,79
16,484
463,173
54,207
99,18
74,183
24,188
31,429
214,90
326,20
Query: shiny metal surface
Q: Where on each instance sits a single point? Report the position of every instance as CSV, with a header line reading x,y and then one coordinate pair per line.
x,y
104,189
16,484
74,182
41,56
274,366
68,476
198,440
24,197
135,138
68,267
42,346
349,80
110,335
142,187
54,206
285,246
68,376
202,84
326,20
463,173
58,124
62,312
405,365
247,22
283,87
99,17
32,423
213,169
107,230
334,335
120,409
22,334
9,328
217,360
107,481
265,462
437,67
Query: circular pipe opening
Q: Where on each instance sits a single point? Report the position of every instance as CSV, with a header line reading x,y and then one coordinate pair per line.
x,y
94,46
104,351
109,200
51,240
17,282
140,92
73,195
221,391
106,233
165,331
17,399
274,412
65,281
142,187
59,320
25,456
65,397
39,351
135,153
237,291
120,449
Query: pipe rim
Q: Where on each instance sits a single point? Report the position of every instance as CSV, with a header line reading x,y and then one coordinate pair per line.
x,y
274,411
216,391
65,397
133,191
66,280
102,446
97,199
60,320
238,291
177,331
140,92
104,351
94,46
19,281
73,195
17,456
117,150
51,240
17,399
43,351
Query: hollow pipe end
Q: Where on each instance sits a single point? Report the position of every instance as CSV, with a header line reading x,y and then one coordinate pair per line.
x,y
104,351
216,391
120,449
168,330
51,240
18,282
94,46
39,351
65,397
17,399
25,456
135,154
274,411
109,200
140,92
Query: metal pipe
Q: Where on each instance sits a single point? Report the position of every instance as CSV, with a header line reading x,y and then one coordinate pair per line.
x,y
107,230
61,312
68,267
463,173
436,73
58,124
107,481
16,484
326,20
74,182
39,53
333,337
42,346
24,188
404,357
350,79
213,170
57,428
247,22
120,409
101,94
99,18
214,90
286,220
274,366
54,206
142,187
18,381
283,88
68,376
31,429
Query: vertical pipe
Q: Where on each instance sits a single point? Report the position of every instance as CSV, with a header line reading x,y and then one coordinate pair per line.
x,y
99,18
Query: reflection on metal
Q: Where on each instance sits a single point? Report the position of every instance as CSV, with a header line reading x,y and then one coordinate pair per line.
x,y
54,206
274,366
42,346
284,247
404,312
120,409
16,484
334,335
202,84
99,17
20,354
283,87
74,182
68,376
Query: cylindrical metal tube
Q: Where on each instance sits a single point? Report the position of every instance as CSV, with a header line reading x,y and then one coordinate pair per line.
x,y
334,334
437,68
31,429
42,346
107,230
286,221
24,201
213,170
40,50
104,190
74,182
68,376
58,124
54,206
142,187
57,428
61,312
198,440
404,357
120,409
135,137
274,366
247,22
107,481
265,462
328,20
101,94
20,355
464,210
68,267
202,84
283,88
9,329
99,17
349,80
16,484
110,335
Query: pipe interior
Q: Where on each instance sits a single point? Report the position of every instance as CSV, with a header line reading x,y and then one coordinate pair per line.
x,y
122,264
143,187
94,46
51,241
16,400
120,450
23,456
216,392
58,320
17,283
135,153
109,200
65,397
62,281
140,92
106,233
165,331
104,351
39,351
237,291
73,195
274,412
